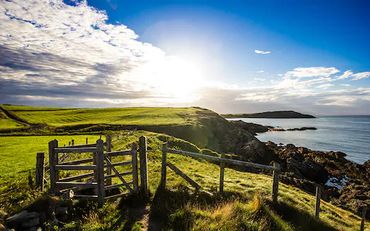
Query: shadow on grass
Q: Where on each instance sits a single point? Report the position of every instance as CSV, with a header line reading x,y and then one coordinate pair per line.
x,y
300,219
169,208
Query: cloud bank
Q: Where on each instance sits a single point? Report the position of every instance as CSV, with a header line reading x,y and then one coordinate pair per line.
x,y
56,54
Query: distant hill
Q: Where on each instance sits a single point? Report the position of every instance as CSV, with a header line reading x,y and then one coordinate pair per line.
x,y
270,114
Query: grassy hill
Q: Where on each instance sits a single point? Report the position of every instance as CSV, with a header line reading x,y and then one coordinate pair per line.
x,y
60,117
245,205
8,123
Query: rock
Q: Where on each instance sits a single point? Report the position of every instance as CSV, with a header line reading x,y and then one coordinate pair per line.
x,y
30,222
23,219
250,127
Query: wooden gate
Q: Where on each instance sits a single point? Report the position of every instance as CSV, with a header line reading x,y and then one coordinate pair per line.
x,y
102,167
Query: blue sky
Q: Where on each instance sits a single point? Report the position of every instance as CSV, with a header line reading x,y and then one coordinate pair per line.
x,y
230,56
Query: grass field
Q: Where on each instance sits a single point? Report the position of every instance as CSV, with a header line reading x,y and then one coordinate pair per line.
x,y
244,206
113,116
7,123
18,153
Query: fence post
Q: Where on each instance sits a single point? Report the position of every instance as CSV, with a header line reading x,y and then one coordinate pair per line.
x,y
163,172
100,171
275,181
109,149
143,165
53,160
317,204
362,227
135,176
40,170
222,174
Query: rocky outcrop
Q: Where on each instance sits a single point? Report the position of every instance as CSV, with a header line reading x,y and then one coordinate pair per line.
x,y
251,127
345,183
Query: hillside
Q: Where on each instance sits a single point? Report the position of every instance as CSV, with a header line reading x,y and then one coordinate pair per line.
x,y
200,126
245,205
271,114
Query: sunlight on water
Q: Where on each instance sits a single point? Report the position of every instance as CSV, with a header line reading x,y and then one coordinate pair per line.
x,y
348,134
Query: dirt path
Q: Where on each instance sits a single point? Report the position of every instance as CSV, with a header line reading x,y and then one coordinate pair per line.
x,y
14,117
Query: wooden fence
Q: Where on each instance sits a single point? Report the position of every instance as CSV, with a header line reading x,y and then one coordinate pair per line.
x,y
101,169
104,169
222,161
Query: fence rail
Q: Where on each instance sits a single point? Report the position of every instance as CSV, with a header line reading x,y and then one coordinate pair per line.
x,y
222,161
100,180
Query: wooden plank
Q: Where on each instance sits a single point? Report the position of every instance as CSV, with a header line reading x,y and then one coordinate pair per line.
x,y
120,177
222,174
118,153
75,167
183,175
75,150
363,218
218,159
275,182
78,177
89,197
40,171
115,196
75,162
76,184
100,171
82,146
164,171
121,174
317,204
53,160
108,139
135,177
122,163
108,187
143,148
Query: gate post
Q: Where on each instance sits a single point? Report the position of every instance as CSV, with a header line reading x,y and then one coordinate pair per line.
x,y
164,165
53,160
222,173
40,170
143,165
317,204
135,177
100,171
275,181
109,149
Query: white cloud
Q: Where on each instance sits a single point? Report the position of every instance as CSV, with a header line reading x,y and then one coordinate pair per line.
x,y
51,49
304,72
260,71
260,52
361,75
346,74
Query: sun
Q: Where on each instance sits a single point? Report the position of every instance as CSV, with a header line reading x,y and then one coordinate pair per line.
x,y
179,79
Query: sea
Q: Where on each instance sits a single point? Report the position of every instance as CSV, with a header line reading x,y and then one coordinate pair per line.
x,y
348,134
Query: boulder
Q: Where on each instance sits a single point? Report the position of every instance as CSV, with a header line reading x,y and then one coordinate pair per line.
x,y
23,219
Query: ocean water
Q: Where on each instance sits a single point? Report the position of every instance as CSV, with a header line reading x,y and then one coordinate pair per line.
x,y
348,134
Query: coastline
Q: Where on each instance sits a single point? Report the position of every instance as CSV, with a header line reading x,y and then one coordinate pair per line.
x,y
343,181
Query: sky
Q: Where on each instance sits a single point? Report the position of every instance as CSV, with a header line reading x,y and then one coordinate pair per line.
x,y
229,56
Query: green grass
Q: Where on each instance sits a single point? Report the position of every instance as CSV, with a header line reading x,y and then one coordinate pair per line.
x,y
7,123
59,117
18,153
245,205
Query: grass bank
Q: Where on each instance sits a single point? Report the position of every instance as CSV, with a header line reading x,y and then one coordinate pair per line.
x,y
245,205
